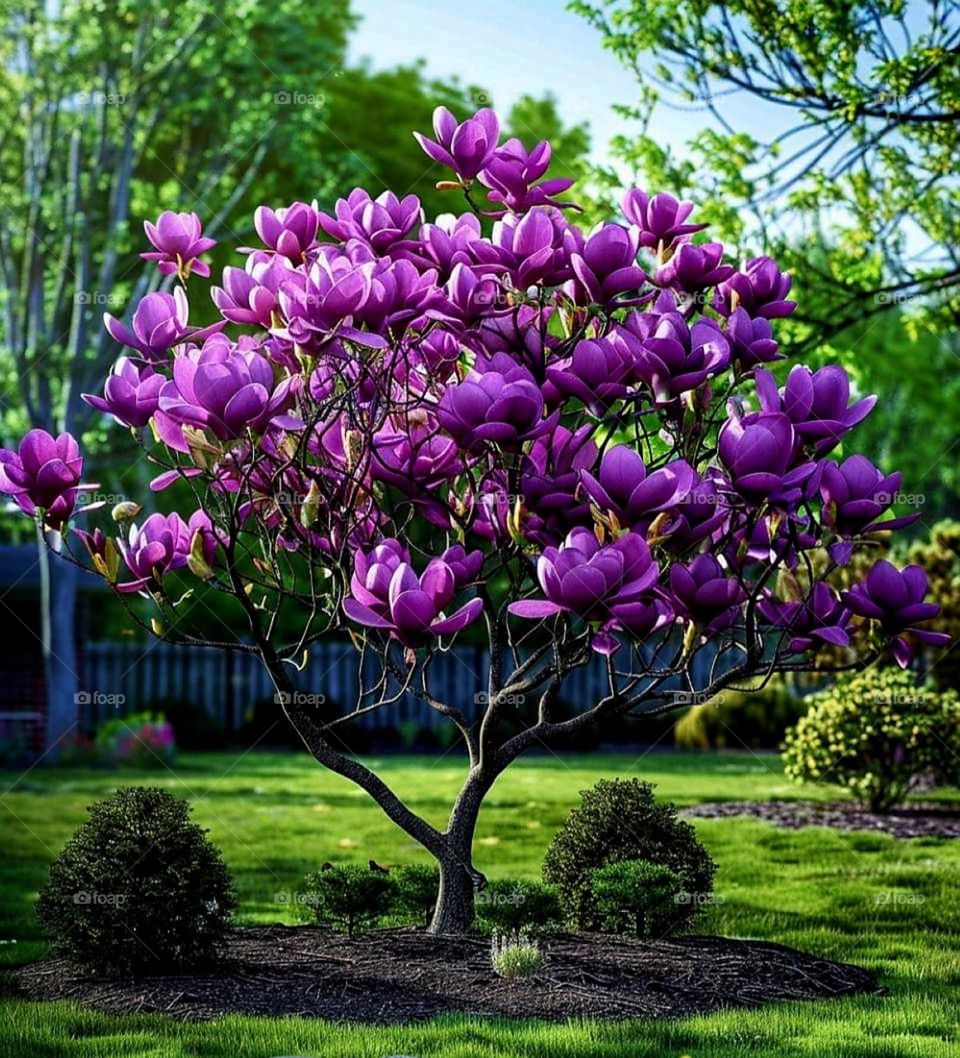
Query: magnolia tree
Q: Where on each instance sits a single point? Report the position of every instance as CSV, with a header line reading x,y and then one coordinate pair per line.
x,y
565,441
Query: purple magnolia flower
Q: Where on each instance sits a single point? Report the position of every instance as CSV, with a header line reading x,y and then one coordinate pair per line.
x,y
855,494
411,609
466,565
698,515
761,288
694,268
675,358
550,475
163,544
43,475
497,402
250,295
512,173
159,323
815,402
759,452
704,594
810,622
131,393
372,572
316,304
291,232
895,598
624,489
599,372
606,265
465,148
593,581
227,389
380,223
448,242
660,218
472,295
751,340
417,459
534,248
179,242
399,294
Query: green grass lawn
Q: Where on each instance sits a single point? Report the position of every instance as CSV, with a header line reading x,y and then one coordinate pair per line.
x,y
888,904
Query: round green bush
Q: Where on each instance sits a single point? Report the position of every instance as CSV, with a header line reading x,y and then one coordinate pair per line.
x,y
514,907
618,819
878,733
137,889
350,897
415,892
636,896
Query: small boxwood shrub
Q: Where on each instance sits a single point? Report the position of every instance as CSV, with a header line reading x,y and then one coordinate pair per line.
x,y
514,907
515,958
878,733
350,897
138,888
618,819
637,896
415,892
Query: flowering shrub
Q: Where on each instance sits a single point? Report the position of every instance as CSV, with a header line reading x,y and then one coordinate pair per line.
x,y
145,740
878,733
401,428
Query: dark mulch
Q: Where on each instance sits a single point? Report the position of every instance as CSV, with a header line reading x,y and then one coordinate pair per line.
x,y
404,975
915,821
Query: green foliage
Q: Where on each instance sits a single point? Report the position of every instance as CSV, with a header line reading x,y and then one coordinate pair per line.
x,y
514,907
349,897
137,889
515,958
415,891
636,896
619,820
193,727
877,733
735,719
939,555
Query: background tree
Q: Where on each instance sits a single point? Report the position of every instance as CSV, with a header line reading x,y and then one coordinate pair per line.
x,y
824,135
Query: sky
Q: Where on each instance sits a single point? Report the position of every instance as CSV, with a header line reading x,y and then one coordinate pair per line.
x,y
510,47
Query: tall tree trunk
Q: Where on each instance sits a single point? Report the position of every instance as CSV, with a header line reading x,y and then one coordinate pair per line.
x,y
58,600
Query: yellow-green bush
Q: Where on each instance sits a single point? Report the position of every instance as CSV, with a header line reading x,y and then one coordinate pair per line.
x,y
734,719
877,733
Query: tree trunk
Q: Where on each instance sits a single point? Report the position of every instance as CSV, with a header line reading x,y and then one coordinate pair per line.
x,y
459,879
58,598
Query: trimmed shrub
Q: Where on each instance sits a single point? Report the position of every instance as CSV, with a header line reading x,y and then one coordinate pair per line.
x,y
415,892
517,907
350,897
879,734
734,719
618,819
137,889
515,957
141,740
636,896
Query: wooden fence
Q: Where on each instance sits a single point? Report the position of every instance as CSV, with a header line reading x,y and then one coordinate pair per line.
x,y
122,678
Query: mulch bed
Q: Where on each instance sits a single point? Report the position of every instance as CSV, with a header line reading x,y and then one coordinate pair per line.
x,y
392,976
916,821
